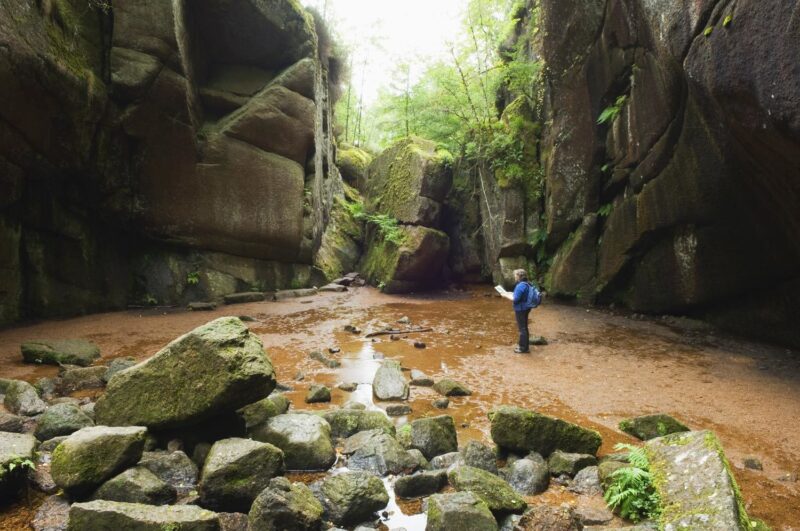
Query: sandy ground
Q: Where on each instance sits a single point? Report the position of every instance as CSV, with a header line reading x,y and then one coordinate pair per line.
x,y
597,369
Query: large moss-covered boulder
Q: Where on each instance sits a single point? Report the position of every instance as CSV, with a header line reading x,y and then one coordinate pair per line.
x,y
457,511
522,430
693,478
92,455
21,398
651,426
433,436
285,506
353,164
259,412
389,382
236,471
60,352
377,452
412,259
136,485
569,463
304,439
352,497
15,448
347,422
213,369
61,419
101,514
496,492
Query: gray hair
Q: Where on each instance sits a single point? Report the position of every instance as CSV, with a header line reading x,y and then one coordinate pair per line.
x,y
520,274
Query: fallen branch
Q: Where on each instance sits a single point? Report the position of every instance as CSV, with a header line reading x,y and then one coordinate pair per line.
x,y
399,332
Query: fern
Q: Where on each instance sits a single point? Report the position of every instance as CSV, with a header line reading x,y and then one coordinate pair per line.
x,y
631,492
388,226
611,112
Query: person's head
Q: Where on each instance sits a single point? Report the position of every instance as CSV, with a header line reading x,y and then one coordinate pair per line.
x,y
520,275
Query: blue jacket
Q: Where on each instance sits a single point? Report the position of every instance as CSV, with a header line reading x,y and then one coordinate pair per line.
x,y
521,297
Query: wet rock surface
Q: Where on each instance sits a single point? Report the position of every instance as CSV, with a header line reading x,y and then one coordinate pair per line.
x,y
350,498
652,426
522,430
286,506
493,490
389,382
60,352
136,485
304,439
118,515
461,510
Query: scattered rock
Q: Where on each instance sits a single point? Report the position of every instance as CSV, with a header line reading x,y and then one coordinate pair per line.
x,y
550,518
606,468
333,288
404,320
222,366
522,430
352,329
61,419
236,471
389,382
285,506
377,452
652,426
60,352
93,455
300,376
80,378
116,365
419,344
752,463
52,515
398,410
239,298
173,468
529,476
322,358
259,412
420,379
317,394
590,515
22,399
537,341
459,511
304,439
136,485
480,456
285,294
348,387
88,410
47,387
11,423
422,463
354,404
352,497
346,422
101,514
233,521
420,484
14,446
568,463
202,306
493,490
587,482
441,403
447,460
449,387
50,445
334,350
434,435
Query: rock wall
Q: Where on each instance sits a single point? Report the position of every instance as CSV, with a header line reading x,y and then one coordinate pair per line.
x,y
159,151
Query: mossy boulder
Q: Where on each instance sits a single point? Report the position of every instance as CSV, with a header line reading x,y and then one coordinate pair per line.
x,y
21,398
352,497
458,511
285,506
389,382
61,419
448,387
304,439
415,263
479,456
420,484
90,456
259,412
528,476
353,164
651,426
379,453
117,365
174,468
236,471
14,448
493,490
568,463
216,368
317,394
522,431
101,514
347,422
60,352
136,485
434,436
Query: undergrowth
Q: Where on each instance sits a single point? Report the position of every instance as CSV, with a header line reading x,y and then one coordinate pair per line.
x,y
387,225
631,492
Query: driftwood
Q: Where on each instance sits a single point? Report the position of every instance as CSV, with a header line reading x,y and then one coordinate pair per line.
x,y
399,332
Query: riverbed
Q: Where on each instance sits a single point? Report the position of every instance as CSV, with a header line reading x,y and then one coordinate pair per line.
x,y
598,367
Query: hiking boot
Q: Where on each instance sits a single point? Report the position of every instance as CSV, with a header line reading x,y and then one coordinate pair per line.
x,y
520,351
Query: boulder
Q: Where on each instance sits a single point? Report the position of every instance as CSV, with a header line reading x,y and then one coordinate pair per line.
x,y
379,453
605,470
202,306
80,378
398,410
353,164
528,476
434,435
61,419
567,463
389,382
116,365
93,455
695,483
651,426
349,421
304,439
259,412
174,468
101,514
420,484
136,485
49,445
586,482
493,490
14,448
449,387
241,298
441,403
325,360
447,460
52,515
60,352
285,294
420,379
318,393
236,471
22,399
216,368
333,288
523,431
459,511
550,517
480,456
350,498
11,423
285,506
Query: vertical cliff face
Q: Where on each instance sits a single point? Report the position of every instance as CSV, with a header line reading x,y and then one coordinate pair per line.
x,y
686,197
159,151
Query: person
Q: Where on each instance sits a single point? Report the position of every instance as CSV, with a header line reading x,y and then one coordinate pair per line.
x,y
522,309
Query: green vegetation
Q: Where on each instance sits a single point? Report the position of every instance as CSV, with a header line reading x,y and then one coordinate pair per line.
x,y
193,278
610,113
727,21
20,463
388,226
631,491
